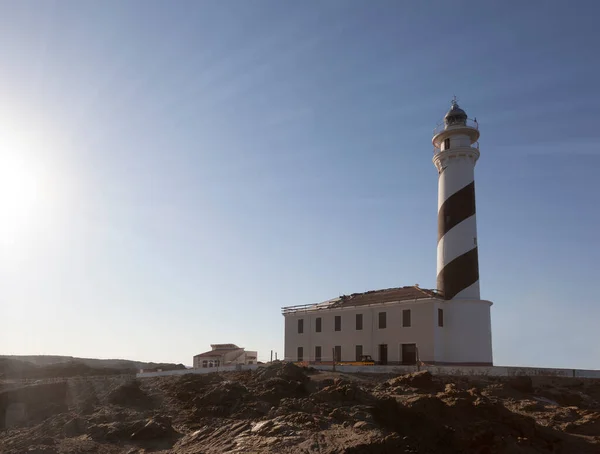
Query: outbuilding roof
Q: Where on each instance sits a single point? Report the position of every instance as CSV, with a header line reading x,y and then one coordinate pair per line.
x,y
217,353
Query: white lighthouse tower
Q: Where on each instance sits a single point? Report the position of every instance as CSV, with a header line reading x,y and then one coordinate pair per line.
x,y
468,338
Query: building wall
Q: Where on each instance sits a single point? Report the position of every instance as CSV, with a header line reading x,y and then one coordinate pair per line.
x,y
223,358
250,357
421,332
464,338
232,357
467,337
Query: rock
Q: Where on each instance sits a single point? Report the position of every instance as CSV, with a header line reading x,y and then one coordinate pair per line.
x,y
338,414
287,371
521,383
303,405
276,388
427,405
274,427
225,392
454,391
532,405
130,395
325,383
290,371
421,380
280,429
74,427
563,397
189,386
361,413
343,393
262,427
263,407
114,431
363,425
41,450
276,382
157,428
588,424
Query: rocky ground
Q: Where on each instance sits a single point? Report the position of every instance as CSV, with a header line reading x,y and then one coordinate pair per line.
x,y
285,409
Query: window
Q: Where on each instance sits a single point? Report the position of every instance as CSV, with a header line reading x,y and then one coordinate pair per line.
x,y
205,363
300,354
318,353
338,322
337,353
406,317
300,326
382,320
440,317
318,324
446,144
358,352
359,322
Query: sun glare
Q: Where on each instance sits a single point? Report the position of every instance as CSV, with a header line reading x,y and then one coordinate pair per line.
x,y
21,192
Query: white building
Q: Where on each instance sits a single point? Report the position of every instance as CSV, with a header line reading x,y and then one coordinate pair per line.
x,y
224,355
448,325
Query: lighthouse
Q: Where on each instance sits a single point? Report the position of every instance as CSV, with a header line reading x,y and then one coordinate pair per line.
x,y
456,151
447,325
468,337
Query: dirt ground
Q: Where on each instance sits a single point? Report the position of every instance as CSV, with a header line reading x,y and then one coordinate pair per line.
x,y
286,409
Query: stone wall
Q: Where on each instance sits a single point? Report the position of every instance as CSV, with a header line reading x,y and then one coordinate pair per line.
x,y
33,403
497,371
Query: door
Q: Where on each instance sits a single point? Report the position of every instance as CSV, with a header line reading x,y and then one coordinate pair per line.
x,y
337,354
383,354
359,353
409,354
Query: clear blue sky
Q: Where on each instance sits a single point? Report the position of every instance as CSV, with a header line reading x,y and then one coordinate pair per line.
x,y
172,173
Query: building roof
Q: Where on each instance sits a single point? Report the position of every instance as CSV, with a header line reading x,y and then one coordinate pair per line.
x,y
388,295
222,346
217,353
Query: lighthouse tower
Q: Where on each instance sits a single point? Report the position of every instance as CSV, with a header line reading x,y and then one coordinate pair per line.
x,y
456,152
468,338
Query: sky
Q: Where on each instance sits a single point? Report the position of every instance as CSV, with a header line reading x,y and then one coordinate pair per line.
x,y
173,173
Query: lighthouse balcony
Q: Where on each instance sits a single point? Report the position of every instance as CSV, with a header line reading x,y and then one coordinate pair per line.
x,y
473,146
449,125
456,130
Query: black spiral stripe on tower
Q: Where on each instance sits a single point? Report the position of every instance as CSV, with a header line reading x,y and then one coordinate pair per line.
x,y
463,271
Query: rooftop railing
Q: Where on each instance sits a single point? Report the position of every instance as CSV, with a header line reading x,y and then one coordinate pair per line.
x,y
470,123
299,308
